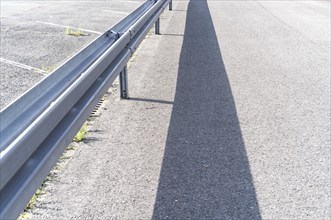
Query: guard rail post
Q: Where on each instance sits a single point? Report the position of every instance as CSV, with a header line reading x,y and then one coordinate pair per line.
x,y
157,26
170,5
124,83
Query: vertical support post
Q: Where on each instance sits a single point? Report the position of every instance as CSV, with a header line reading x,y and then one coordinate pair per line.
x,y
157,26
170,5
124,83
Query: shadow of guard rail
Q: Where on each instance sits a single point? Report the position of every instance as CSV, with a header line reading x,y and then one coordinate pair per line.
x,y
36,128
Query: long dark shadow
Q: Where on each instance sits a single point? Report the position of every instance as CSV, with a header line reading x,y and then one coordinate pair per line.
x,y
205,172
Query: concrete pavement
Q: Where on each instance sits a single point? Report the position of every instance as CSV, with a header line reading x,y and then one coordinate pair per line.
x,y
229,118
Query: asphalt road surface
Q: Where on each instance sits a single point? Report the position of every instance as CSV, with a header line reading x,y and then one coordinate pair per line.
x,y
34,41
229,118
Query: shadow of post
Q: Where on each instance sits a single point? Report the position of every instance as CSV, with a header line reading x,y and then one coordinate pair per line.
x,y
205,172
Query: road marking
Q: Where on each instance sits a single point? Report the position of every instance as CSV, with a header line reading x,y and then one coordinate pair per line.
x,y
117,12
23,66
66,26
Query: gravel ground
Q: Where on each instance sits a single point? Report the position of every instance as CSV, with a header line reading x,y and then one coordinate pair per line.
x,y
228,119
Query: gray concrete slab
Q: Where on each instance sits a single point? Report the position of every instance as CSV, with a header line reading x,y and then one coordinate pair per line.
x,y
39,45
9,8
92,15
228,119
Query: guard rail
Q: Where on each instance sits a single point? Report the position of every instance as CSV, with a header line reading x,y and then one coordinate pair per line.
x,y
37,127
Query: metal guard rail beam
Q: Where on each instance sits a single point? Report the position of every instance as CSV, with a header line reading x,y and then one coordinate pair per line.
x,y
36,128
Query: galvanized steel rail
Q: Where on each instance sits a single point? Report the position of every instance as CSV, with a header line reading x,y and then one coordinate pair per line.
x,y
36,128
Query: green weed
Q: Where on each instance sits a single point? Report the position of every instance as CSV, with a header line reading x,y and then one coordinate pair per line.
x,y
47,69
81,133
75,32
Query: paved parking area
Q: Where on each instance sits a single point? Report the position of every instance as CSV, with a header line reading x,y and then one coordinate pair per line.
x,y
35,39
